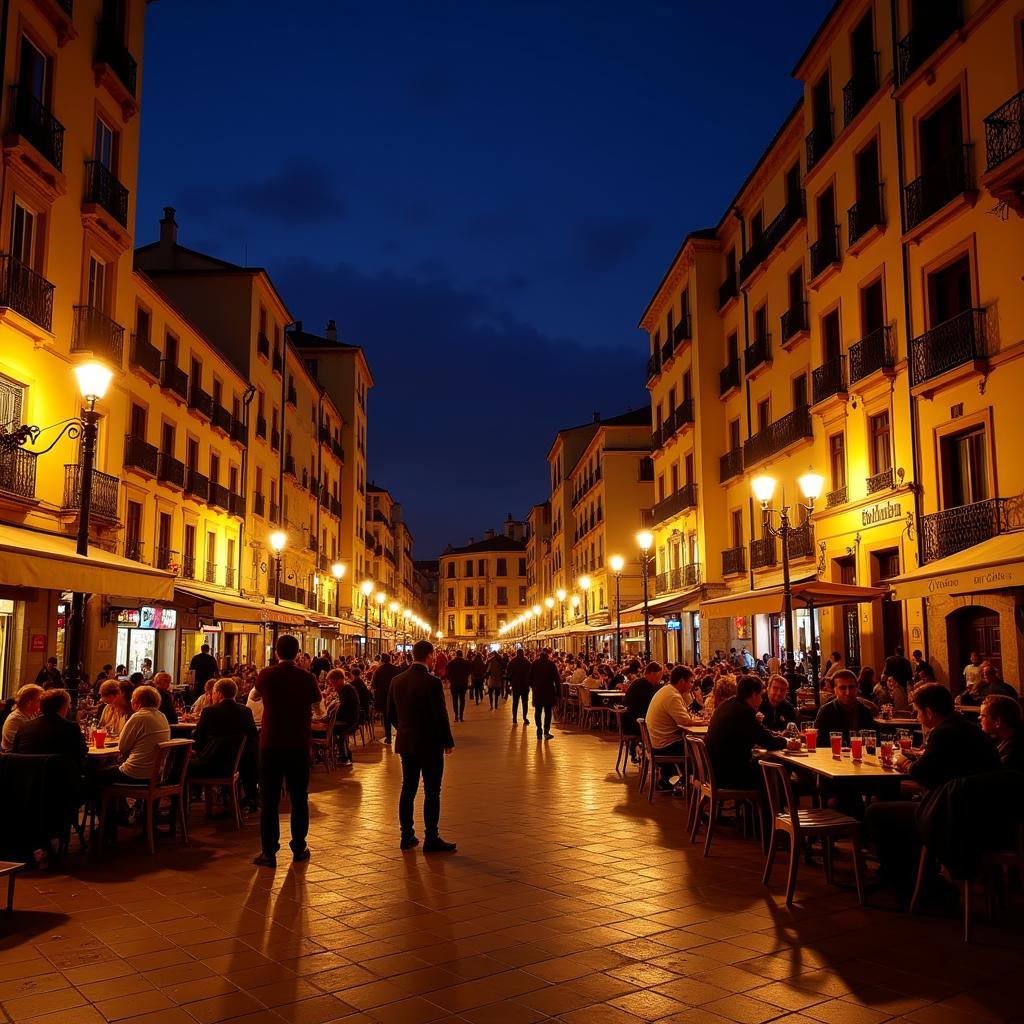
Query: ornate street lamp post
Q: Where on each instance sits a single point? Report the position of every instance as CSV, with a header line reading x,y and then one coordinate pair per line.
x,y
584,582
644,539
380,598
366,589
617,562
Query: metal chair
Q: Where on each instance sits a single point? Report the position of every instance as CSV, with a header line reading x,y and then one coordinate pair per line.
x,y
801,826
650,760
572,704
707,793
627,743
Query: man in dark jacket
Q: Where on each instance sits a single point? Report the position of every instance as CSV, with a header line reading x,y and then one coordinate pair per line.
x,y
519,679
423,737
733,734
776,709
223,725
479,671
638,696
847,713
321,663
545,685
897,666
382,680
459,671
162,681
50,732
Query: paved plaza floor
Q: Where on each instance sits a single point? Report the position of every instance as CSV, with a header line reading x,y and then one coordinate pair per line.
x,y
570,899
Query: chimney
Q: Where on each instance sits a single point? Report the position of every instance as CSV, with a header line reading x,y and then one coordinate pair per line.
x,y
332,331
597,417
168,229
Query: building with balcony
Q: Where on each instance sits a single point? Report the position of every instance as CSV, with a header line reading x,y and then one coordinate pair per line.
x,y
538,553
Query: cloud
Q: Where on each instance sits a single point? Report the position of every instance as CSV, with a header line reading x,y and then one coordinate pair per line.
x,y
604,245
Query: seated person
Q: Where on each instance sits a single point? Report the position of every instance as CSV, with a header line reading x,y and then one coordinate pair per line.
x,y
138,741
896,695
866,683
116,699
365,697
50,732
26,707
222,726
666,715
847,713
638,696
254,702
1001,719
733,734
348,710
776,708
205,698
162,681
724,690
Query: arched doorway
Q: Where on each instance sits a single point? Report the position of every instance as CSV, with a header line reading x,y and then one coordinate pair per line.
x,y
975,628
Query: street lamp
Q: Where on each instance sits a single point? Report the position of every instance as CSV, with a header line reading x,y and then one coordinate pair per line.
x,y
584,582
617,562
380,598
338,572
366,589
406,616
763,487
645,539
560,594
536,626
550,603
278,540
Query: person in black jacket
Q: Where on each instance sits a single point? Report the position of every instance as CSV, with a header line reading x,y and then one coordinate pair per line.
x,y
733,734
162,681
519,679
381,682
459,671
423,737
50,732
898,667
224,724
479,671
1001,720
776,709
847,713
638,697
348,711
546,686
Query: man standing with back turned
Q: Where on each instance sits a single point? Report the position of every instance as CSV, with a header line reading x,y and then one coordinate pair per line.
x,y
423,737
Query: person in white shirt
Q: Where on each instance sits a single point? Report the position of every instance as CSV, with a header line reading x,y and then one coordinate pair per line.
x,y
579,675
667,714
972,672
26,707
254,702
138,741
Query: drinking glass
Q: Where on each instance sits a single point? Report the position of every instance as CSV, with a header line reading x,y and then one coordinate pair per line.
x,y
887,751
811,739
906,738
837,743
870,742
99,738
856,746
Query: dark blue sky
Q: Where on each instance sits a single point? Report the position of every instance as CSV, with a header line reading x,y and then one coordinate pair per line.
x,y
483,194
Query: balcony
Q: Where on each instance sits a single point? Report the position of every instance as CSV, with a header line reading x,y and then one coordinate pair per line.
x,y
825,251
875,352
685,498
102,189
210,574
261,427
263,345
758,355
140,455
103,500
170,470
220,496
734,561
761,248
728,290
196,485
31,121
94,332
165,558
859,89
666,351
238,432
18,474
729,377
1004,153
293,398
777,436
801,541
338,450
115,66
865,214
259,504
200,401
794,322
654,365
840,496
275,510
681,331
940,184
880,481
680,578
221,419
763,553
954,529
730,465
335,506
919,44
174,379
819,141
959,342
26,292
134,549
144,356
188,567
289,466
829,381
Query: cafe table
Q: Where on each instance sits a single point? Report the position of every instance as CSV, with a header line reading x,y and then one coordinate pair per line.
x,y
822,763
104,753
604,698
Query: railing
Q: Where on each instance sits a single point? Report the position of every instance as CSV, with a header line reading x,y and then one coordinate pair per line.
x,y
18,473
678,578
335,506
684,498
864,215
263,345
170,470
776,436
173,378
734,561
210,573
880,481
31,120
1004,132
221,419
730,464
259,504
103,189
728,290
950,344
197,485
729,377
828,379
164,557
772,235
954,529
840,496
134,549
199,400
229,576
261,427
825,251
274,512
801,541
794,321
919,44
145,356
188,567
859,89
110,49
819,140
220,496
338,450
289,465
758,353
763,552
104,492
681,331
666,351
140,455
238,431
585,485
654,364
25,291
93,331
873,352
939,184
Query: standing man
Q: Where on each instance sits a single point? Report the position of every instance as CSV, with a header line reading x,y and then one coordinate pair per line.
x,y
423,737
203,666
458,682
519,679
49,677
382,680
545,684
288,693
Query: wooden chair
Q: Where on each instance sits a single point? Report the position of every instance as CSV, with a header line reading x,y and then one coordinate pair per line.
x,y
572,704
627,743
167,780
323,743
230,783
650,761
588,710
9,870
802,826
707,793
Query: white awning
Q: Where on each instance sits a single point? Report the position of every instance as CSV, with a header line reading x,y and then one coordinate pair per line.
x,y
232,608
994,564
807,593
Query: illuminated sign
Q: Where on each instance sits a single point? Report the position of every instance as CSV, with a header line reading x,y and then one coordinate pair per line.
x,y
673,624
128,616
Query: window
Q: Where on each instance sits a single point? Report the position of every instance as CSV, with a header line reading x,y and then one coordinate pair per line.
x,y
469,623
451,624
793,185
879,443
674,475
451,571
756,226
737,527
764,414
732,348
800,391
868,178
468,597
821,105
502,596
481,623
502,567
522,595
481,595
831,338
481,567
872,308
761,323
687,386
941,135
949,291
965,467
661,487
167,439
796,293
105,146
23,234
12,403
214,468
689,470
468,569
142,324
97,295
646,468
522,566
34,72
837,460
734,435
133,530
137,426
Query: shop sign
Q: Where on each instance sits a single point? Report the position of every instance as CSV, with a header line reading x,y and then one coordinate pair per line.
x,y
6,606
37,642
209,626
158,618
742,628
673,623
883,512
129,616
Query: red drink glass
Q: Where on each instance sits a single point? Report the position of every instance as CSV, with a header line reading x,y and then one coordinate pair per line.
x,y
886,753
837,744
99,738
811,739
856,748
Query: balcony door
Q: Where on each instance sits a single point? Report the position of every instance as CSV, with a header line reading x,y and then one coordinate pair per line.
x,y
793,185
23,234
949,291
163,541
105,146
831,337
138,422
862,48
133,530
868,180
872,308
886,565
96,296
965,475
796,291
827,215
821,105
941,133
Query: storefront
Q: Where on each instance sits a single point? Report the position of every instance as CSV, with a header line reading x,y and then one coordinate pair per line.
x,y
145,632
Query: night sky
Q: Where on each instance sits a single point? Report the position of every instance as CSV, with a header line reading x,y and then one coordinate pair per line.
x,y
483,194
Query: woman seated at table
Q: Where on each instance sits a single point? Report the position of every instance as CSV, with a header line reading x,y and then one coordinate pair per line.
x,y
116,698
144,730
26,707
896,695
205,699
254,702
725,688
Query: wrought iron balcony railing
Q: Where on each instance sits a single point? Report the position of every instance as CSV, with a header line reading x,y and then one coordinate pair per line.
x,y
794,321
105,490
210,574
880,481
140,455
335,506
275,439
31,120
939,184
238,431
684,498
165,557
819,140
26,292
777,229
258,504
840,496
865,214
730,464
942,20
683,576
959,340
110,50
18,473
95,332
874,352
220,496
197,485
955,529
229,576
825,251
134,549
289,465
667,351
734,561
763,552
860,88
144,356
729,377
787,430
801,541
828,379
199,400
103,189
174,379
236,505
654,364
681,331
275,363
338,450
758,353
728,290
221,419
170,470
1004,132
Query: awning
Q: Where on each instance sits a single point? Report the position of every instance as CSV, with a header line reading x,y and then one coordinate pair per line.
x,y
679,602
229,608
767,600
994,564
50,562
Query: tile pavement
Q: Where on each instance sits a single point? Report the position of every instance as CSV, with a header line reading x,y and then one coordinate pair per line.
x,y
571,899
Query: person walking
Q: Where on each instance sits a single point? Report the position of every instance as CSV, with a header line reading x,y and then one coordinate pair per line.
x,y
381,682
288,694
423,737
519,680
458,682
545,685
495,679
479,672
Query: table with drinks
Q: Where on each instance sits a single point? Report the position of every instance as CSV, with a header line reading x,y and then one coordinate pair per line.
x,y
867,756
